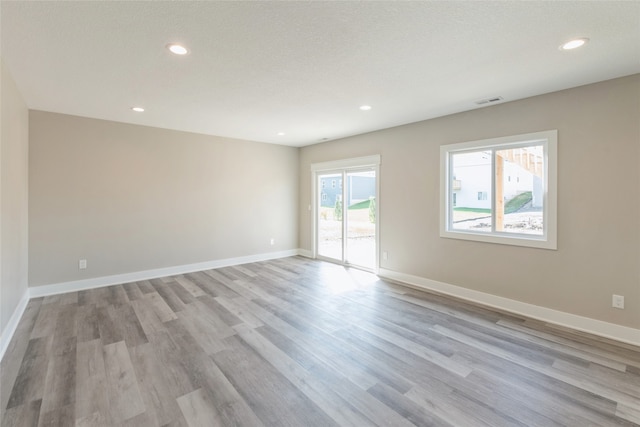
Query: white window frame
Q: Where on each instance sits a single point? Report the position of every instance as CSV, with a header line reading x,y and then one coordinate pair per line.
x,y
343,166
548,239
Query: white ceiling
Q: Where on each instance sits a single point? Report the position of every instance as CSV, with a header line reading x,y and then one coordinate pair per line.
x,y
304,68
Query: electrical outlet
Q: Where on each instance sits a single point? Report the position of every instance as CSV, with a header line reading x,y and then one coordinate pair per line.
x,y
617,301
82,264
385,255
273,241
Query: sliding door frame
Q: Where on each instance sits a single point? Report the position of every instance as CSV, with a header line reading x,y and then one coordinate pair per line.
x,y
343,167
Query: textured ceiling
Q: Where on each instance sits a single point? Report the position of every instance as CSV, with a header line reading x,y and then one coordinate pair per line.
x,y
303,68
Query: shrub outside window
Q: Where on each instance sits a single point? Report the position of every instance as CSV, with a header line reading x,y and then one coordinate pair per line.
x,y
480,201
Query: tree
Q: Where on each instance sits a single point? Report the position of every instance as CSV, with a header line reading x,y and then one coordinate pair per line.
x,y
372,209
337,210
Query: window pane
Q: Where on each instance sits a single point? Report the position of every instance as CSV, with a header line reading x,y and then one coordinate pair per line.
x,y
501,190
330,217
471,191
519,190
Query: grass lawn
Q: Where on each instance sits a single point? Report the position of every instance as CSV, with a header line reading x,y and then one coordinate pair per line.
x,y
517,202
360,205
511,206
476,210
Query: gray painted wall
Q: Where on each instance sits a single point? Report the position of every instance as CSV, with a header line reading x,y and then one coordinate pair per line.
x,y
131,198
598,189
14,147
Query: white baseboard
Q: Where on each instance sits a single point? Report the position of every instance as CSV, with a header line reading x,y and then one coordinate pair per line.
x,y
579,323
12,325
305,253
97,282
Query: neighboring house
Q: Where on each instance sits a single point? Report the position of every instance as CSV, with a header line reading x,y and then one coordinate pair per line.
x,y
360,188
472,181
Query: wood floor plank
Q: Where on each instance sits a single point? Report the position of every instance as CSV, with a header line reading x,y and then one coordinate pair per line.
x,y
160,307
214,283
273,398
191,287
93,420
235,307
199,410
168,295
419,350
220,311
88,328
69,298
181,292
145,287
116,295
128,324
125,399
213,319
409,409
29,384
570,345
542,391
171,357
15,352
101,297
298,342
46,322
133,291
585,383
60,383
26,414
455,411
628,413
244,270
62,416
52,299
203,372
158,392
621,381
250,291
338,355
107,325
66,323
92,400
148,316
207,330
319,393
320,358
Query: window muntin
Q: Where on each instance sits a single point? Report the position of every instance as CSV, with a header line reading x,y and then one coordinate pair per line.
x,y
481,200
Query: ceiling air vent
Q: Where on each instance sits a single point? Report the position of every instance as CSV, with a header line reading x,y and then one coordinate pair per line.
x,y
489,100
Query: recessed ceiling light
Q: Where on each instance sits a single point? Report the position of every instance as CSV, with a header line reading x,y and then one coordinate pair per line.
x,y
280,133
573,44
365,107
137,109
177,49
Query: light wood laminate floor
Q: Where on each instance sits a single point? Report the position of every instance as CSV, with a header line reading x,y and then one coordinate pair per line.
x,y
297,342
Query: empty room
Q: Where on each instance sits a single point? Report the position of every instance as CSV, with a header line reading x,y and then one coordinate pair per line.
x,y
320,213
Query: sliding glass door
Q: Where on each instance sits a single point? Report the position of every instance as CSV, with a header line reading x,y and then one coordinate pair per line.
x,y
360,219
329,216
346,211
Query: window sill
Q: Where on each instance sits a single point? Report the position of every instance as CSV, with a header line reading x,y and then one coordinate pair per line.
x,y
538,242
